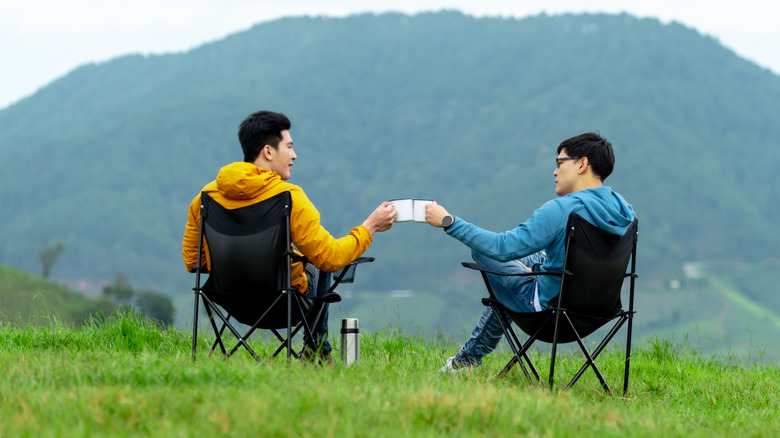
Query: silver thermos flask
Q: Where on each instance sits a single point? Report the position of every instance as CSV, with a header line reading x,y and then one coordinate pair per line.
x,y
350,340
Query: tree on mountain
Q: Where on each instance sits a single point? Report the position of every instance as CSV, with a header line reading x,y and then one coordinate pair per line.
x,y
48,255
120,290
153,304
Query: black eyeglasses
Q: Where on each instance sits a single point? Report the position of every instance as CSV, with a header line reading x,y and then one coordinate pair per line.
x,y
559,161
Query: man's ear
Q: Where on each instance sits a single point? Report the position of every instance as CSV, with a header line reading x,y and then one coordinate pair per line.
x,y
583,165
267,152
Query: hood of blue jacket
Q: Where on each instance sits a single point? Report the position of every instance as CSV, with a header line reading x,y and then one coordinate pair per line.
x,y
606,208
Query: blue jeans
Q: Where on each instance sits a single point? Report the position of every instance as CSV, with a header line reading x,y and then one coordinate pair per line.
x,y
319,283
516,293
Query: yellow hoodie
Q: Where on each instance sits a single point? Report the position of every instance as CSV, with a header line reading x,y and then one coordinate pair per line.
x,y
241,184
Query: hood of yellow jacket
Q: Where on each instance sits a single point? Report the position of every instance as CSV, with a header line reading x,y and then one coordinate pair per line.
x,y
242,180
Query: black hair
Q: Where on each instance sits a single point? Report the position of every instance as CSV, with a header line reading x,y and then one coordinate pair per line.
x,y
260,129
599,151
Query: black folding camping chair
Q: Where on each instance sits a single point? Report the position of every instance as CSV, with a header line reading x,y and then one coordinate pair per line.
x,y
249,281
595,266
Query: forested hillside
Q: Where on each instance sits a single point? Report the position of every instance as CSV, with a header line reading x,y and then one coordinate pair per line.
x,y
464,110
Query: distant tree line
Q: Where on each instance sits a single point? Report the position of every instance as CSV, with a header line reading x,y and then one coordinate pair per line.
x,y
121,294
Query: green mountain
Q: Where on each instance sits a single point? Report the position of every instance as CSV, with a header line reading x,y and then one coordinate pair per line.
x,y
31,300
464,110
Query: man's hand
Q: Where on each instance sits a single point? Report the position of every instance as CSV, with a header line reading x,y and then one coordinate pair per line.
x,y
381,219
434,213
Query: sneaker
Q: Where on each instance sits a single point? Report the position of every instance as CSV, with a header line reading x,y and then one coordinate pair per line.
x,y
453,367
310,355
326,359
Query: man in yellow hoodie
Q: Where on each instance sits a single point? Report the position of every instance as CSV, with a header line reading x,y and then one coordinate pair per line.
x,y
268,161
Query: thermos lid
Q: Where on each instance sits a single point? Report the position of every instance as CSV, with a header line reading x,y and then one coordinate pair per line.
x,y
349,324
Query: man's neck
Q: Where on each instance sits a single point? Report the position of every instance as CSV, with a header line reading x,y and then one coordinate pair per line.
x,y
259,162
589,183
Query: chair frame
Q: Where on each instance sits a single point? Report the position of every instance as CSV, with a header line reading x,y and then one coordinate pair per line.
x,y
536,324
287,290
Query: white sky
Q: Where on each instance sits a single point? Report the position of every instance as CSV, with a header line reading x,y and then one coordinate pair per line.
x,y
42,40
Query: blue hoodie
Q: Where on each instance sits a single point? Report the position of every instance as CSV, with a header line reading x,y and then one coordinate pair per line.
x,y
546,230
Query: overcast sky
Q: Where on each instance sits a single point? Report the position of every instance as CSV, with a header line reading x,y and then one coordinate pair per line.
x,y
41,40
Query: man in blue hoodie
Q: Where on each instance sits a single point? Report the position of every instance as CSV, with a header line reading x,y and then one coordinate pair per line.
x,y
538,244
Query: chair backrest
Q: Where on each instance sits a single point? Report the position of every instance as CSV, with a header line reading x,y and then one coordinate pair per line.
x,y
598,261
249,249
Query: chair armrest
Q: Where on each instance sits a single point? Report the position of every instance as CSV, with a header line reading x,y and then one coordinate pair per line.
x,y
490,302
360,260
329,297
347,273
476,267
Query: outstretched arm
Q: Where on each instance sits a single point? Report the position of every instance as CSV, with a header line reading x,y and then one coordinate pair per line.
x,y
320,247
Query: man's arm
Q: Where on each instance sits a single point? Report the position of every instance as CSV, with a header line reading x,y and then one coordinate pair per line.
x,y
527,238
320,247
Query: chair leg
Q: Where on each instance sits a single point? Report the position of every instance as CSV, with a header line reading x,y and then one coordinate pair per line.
x,y
513,361
590,362
241,339
522,352
307,331
628,353
550,381
195,325
507,367
515,344
240,342
289,325
307,328
591,358
219,337
287,343
213,323
283,345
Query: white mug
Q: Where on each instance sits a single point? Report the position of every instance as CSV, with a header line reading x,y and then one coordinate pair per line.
x,y
419,209
404,209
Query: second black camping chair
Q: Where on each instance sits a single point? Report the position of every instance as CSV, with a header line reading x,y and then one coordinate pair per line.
x,y
249,280
595,267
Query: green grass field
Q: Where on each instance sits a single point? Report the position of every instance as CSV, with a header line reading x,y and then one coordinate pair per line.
x,y
125,376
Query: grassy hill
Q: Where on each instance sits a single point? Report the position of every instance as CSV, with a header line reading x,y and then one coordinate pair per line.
x,y
127,377
29,299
